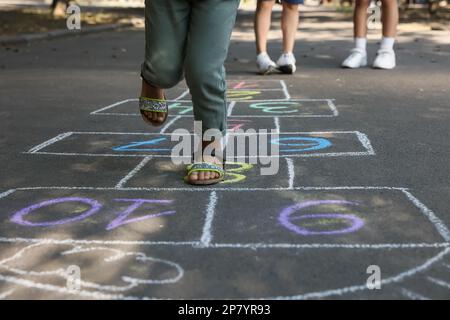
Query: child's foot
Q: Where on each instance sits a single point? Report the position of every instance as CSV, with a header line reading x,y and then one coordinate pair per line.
x,y
286,63
207,176
153,105
207,170
385,59
265,64
356,59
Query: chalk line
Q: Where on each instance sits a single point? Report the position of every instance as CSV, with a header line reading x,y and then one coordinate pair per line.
x,y
98,242
352,289
7,193
181,96
439,225
230,108
185,93
291,173
375,246
5,294
207,189
113,105
206,238
276,121
285,90
439,282
169,123
365,142
137,155
133,172
250,246
50,142
237,133
333,108
412,295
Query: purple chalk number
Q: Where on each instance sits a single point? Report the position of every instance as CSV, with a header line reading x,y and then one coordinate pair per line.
x,y
287,218
136,203
20,216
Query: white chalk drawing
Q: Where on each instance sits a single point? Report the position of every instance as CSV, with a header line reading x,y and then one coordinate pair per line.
x,y
88,289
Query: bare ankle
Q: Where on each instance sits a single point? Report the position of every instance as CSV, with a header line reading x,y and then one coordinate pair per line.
x,y
150,91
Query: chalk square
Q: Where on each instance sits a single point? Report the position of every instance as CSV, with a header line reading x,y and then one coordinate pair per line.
x,y
257,95
298,217
123,144
102,214
294,108
161,172
233,123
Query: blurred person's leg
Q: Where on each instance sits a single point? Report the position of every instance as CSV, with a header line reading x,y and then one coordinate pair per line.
x,y
289,25
263,20
358,55
385,58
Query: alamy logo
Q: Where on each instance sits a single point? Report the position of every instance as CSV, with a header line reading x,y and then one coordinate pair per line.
x,y
374,280
374,15
73,21
73,274
248,146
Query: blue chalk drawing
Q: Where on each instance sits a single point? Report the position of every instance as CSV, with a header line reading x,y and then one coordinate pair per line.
x,y
140,146
305,144
184,108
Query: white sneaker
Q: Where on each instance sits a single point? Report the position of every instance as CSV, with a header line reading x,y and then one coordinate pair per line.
x,y
356,59
286,63
385,59
265,64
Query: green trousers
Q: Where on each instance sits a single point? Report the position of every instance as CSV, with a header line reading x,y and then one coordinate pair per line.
x,y
191,38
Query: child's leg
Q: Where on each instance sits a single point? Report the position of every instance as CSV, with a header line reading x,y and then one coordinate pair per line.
x,y
263,19
209,35
358,55
166,25
360,18
389,18
385,58
289,25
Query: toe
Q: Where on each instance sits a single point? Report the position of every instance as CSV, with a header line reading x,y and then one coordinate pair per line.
x,y
201,176
193,177
161,117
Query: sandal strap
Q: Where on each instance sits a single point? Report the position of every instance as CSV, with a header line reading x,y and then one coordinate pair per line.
x,y
153,105
205,166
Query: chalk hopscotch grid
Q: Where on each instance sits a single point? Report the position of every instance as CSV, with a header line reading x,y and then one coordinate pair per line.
x,y
205,240
330,103
362,138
